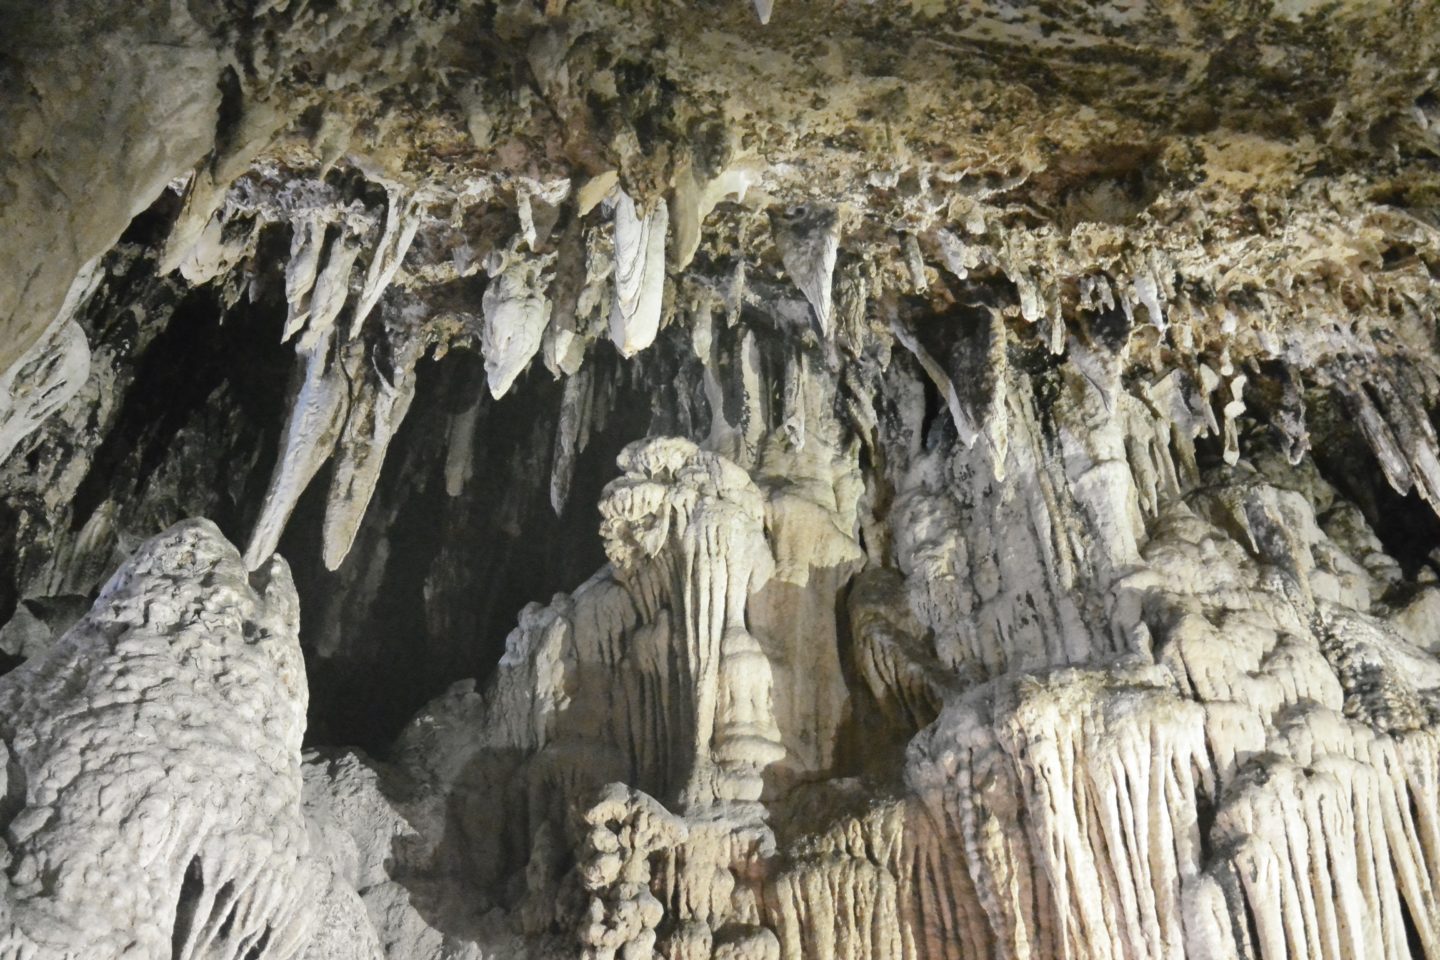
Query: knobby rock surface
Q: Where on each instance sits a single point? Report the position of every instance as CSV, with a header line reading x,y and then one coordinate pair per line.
x,y
719,480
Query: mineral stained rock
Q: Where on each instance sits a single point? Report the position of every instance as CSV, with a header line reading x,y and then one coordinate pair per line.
x,y
728,480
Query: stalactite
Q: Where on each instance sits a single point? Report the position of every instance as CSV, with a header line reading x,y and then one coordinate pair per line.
x,y
1006,472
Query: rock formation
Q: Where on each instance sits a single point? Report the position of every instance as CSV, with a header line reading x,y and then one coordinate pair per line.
x,y
720,481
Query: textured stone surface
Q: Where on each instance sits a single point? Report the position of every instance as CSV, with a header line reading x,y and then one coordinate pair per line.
x,y
763,481
153,779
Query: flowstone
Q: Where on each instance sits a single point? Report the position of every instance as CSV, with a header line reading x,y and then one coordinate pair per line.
x,y
724,481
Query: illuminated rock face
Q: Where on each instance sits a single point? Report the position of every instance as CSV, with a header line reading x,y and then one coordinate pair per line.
x,y
724,481
154,765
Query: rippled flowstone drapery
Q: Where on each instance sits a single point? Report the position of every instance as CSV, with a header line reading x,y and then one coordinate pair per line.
x,y
567,478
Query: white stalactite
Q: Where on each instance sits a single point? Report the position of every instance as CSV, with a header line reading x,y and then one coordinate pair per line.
x,y
639,274
516,312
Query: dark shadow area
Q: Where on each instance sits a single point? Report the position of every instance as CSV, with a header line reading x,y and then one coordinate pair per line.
x,y
151,226
434,583
193,402
1406,525
191,889
1414,943
10,533
220,378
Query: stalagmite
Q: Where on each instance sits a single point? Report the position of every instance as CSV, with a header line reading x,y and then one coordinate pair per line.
x,y
685,527
627,828
977,494
156,754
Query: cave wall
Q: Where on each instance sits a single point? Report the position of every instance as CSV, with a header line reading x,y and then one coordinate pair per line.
x,y
719,480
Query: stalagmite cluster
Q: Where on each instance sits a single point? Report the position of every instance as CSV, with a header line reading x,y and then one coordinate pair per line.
x,y
153,775
720,481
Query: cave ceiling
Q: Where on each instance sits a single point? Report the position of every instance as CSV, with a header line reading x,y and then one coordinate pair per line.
x,y
719,480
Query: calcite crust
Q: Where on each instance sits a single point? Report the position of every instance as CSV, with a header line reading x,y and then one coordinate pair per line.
x,y
772,480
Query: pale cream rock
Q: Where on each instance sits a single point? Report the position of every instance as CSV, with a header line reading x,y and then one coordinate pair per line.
x,y
685,527
320,398
639,274
157,750
377,406
1165,694
626,829
516,311
46,376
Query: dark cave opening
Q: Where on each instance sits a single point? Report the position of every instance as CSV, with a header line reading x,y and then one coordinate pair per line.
x,y
1406,525
175,375
434,584
209,375
9,560
191,431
